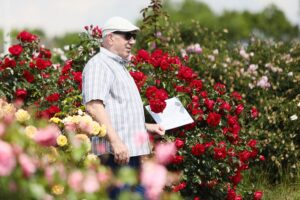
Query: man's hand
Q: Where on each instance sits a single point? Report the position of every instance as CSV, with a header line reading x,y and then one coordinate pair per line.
x,y
96,109
155,128
121,153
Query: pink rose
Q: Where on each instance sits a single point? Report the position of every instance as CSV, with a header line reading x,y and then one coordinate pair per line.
x,y
7,159
153,178
75,180
90,183
165,152
47,136
27,165
70,127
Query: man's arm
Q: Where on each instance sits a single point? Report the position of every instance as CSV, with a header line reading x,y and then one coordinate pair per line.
x,y
96,109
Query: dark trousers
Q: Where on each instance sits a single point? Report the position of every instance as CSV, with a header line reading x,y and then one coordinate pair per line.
x,y
134,163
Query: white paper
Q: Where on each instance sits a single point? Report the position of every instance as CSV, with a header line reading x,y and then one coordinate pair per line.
x,y
173,116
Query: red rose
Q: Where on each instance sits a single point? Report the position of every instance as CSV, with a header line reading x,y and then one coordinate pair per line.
x,y
97,32
209,104
164,65
62,79
28,76
143,55
43,64
77,77
139,78
198,149
209,144
157,105
239,109
244,156
257,195
189,126
203,94
197,85
236,179
25,36
52,110
15,50
21,93
253,153
44,75
220,153
161,94
53,97
231,152
261,157
225,106
66,69
220,88
179,143
9,63
254,113
235,95
213,119
177,160
232,120
45,53
238,197
179,187
231,194
179,88
150,91
252,143
185,73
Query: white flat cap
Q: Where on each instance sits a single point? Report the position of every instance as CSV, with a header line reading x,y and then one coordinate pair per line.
x,y
118,24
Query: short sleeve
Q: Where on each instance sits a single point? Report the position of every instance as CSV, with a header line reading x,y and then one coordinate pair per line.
x,y
97,79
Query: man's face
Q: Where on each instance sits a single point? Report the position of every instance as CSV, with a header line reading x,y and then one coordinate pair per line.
x,y
122,43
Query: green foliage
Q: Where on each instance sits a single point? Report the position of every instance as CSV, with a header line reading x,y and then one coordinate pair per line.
x,y
269,23
66,40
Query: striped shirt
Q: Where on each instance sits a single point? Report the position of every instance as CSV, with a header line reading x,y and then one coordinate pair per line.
x,y
106,78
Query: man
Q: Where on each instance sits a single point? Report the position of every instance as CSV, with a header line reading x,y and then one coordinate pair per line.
x,y
112,98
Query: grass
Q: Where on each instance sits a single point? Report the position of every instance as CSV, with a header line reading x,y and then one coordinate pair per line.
x,y
285,190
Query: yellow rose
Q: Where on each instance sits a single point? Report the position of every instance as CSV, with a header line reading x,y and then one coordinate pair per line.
x,y
61,140
75,119
102,131
9,108
30,131
96,128
22,115
57,189
87,118
55,120
91,157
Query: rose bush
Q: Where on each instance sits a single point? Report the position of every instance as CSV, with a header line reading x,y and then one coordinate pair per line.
x,y
34,166
213,152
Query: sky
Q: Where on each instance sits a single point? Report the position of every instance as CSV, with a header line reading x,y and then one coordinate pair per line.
x,y
57,17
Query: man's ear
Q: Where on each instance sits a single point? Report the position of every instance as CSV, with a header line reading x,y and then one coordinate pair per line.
x,y
110,38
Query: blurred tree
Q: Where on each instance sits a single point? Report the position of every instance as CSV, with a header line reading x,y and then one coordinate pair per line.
x,y
269,23
67,39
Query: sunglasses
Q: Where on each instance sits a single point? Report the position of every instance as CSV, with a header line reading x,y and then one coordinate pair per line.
x,y
126,35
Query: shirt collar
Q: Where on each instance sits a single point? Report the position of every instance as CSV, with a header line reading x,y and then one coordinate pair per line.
x,y
113,56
